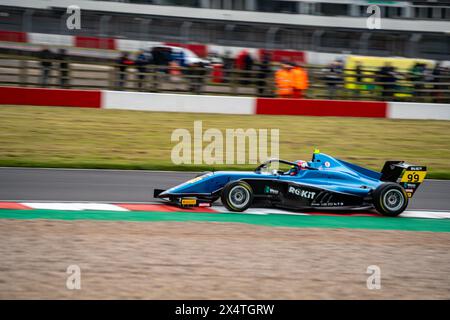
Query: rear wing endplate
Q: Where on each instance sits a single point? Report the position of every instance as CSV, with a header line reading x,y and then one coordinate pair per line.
x,y
411,176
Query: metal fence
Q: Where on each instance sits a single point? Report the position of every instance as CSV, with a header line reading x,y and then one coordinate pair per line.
x,y
368,85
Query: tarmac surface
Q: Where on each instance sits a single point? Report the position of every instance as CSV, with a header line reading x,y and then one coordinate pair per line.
x,y
29,184
205,260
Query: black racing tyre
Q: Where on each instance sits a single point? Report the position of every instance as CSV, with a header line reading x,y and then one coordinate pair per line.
x,y
390,199
237,196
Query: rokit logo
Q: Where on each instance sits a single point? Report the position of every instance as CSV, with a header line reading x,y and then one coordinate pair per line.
x,y
302,193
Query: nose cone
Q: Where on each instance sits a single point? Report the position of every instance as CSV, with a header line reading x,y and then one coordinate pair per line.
x,y
200,184
162,194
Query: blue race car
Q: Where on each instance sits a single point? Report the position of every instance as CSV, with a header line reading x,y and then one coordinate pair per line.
x,y
322,183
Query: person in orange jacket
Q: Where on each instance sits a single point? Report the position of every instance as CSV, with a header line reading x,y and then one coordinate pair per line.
x,y
299,81
283,81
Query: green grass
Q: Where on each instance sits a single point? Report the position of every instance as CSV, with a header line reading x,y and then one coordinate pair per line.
x,y
92,138
274,220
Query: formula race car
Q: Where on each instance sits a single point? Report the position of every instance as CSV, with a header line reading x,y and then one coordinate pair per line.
x,y
322,183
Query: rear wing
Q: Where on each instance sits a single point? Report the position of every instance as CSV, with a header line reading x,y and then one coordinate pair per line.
x,y
411,176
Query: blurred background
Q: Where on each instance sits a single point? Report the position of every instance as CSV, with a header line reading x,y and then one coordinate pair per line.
x,y
232,47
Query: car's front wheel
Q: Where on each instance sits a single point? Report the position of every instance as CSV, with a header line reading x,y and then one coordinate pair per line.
x,y
390,199
237,196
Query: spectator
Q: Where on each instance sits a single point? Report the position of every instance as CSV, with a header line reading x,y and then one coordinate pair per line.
x,y
437,74
387,76
417,76
142,60
156,60
283,80
196,72
333,77
248,62
299,81
166,58
446,78
248,67
359,78
123,62
175,71
264,70
63,68
45,55
228,64
162,57
157,56
240,59
244,62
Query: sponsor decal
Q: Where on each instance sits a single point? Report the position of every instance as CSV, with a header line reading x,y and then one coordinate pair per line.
x,y
188,201
409,185
332,204
199,178
327,164
301,192
204,204
413,176
269,190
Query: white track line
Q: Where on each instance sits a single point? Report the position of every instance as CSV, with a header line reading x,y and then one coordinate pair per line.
x,y
79,206
426,214
73,206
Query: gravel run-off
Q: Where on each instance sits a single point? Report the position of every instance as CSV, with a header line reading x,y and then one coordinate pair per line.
x,y
206,260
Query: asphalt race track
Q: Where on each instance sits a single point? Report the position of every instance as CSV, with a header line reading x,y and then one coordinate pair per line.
x,y
137,186
267,254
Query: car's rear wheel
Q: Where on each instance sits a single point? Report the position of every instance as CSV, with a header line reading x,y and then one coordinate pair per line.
x,y
237,196
390,199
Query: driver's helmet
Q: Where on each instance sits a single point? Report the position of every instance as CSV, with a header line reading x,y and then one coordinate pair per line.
x,y
301,164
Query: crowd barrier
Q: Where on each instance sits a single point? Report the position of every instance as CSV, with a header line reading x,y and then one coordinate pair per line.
x,y
220,104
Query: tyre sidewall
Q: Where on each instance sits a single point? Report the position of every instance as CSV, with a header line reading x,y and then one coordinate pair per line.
x,y
226,194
